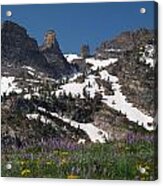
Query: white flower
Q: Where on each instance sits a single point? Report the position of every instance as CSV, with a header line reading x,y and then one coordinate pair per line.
x,y
142,170
8,166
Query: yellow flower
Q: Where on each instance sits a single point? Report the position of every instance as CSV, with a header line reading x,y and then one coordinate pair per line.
x,y
63,161
25,172
71,176
22,163
49,163
147,167
64,153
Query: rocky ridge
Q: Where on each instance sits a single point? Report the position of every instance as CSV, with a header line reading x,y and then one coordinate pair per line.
x,y
19,49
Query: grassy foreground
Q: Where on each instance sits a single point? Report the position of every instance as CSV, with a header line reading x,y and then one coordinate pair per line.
x,y
117,161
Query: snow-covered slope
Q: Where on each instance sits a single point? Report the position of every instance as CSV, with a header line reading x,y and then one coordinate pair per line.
x,y
77,89
89,86
100,63
71,57
95,134
117,101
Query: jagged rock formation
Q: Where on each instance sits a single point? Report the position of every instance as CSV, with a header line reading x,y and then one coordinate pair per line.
x,y
125,43
18,49
53,54
50,48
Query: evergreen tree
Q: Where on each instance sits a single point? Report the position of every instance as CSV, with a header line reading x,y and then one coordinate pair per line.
x,y
85,51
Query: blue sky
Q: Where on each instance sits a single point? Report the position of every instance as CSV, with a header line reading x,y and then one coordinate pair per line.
x,y
76,24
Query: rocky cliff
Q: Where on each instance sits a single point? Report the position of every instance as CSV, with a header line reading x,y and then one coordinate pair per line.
x,y
137,67
125,42
18,49
53,54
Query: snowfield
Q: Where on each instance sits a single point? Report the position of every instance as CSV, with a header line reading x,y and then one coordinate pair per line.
x,y
90,86
116,101
100,63
119,103
76,89
71,57
95,134
104,75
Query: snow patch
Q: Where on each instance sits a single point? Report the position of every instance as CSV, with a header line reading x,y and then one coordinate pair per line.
x,y
97,63
27,96
104,75
119,103
81,141
41,109
29,68
75,76
8,85
43,119
113,50
32,116
71,57
95,134
31,73
33,80
76,89
148,55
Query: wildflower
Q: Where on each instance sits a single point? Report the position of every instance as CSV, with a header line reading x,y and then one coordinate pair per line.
x,y
25,172
63,161
143,169
49,163
8,166
71,176
64,153
22,163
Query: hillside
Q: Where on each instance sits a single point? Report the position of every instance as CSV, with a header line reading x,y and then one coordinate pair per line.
x,y
61,103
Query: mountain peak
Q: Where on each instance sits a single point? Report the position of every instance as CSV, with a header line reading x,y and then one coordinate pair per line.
x,y
49,38
51,49
19,49
10,25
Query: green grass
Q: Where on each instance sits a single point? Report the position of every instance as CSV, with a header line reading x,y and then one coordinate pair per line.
x,y
116,160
